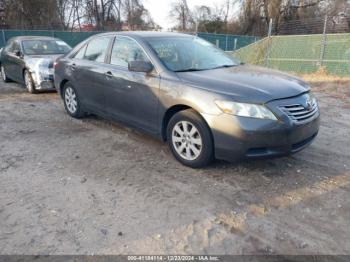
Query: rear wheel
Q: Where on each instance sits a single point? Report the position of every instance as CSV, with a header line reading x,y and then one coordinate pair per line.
x,y
190,139
71,101
28,82
4,76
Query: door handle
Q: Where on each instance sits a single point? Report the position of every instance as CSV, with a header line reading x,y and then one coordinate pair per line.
x,y
73,67
109,75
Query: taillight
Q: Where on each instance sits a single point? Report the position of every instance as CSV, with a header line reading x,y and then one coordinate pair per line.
x,y
55,64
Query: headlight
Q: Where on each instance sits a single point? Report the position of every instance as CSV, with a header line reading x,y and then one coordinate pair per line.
x,y
245,110
39,67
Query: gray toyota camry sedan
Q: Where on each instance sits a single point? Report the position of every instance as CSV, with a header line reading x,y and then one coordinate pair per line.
x,y
184,90
29,60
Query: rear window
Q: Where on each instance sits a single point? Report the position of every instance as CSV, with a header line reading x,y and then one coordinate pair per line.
x,y
97,49
80,54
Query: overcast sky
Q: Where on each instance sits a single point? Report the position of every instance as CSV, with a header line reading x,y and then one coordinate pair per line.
x,y
160,9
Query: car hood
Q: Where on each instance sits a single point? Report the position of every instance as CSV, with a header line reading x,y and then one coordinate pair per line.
x,y
40,60
247,83
41,65
48,57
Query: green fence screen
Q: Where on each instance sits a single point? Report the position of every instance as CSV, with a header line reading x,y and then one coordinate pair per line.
x,y
296,53
72,38
301,54
228,42
225,42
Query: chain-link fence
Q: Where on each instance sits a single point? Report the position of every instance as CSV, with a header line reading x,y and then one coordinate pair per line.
x,y
306,53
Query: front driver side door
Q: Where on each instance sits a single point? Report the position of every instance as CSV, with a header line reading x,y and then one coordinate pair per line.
x,y
131,96
17,62
11,62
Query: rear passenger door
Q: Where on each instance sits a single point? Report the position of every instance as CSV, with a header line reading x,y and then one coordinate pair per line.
x,y
88,70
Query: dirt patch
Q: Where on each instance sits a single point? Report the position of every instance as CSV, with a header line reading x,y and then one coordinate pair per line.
x,y
336,89
92,187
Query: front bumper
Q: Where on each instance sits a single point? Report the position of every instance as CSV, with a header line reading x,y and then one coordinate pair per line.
x,y
240,137
43,83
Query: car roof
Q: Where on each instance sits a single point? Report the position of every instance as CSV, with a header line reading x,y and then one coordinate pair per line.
x,y
22,38
146,34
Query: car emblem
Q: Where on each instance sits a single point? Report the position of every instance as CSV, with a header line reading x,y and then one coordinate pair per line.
x,y
308,104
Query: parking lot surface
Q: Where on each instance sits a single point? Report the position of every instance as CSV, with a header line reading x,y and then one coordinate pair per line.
x,y
89,186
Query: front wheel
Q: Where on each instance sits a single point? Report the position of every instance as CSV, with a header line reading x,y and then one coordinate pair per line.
x,y
28,82
190,139
71,101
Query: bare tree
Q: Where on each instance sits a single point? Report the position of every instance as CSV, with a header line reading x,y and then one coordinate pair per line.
x,y
256,14
137,16
181,14
76,14
36,14
70,13
108,14
102,12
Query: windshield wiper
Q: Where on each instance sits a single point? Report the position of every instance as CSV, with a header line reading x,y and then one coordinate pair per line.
x,y
196,69
224,66
189,70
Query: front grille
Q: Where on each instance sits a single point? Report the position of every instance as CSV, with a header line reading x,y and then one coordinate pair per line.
x,y
300,113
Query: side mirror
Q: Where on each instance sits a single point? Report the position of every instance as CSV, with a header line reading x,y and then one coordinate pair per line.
x,y
140,66
18,53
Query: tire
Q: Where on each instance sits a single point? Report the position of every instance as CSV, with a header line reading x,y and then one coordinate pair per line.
x,y
190,139
4,76
28,82
71,101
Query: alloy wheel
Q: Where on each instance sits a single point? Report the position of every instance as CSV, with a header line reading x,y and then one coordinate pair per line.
x,y
187,140
70,99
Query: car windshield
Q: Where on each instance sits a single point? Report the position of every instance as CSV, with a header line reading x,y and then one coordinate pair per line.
x,y
45,47
181,54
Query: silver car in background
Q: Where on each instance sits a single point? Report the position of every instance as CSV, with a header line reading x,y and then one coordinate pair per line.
x,y
29,60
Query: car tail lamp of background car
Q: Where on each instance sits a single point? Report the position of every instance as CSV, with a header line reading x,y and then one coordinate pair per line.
x,y
55,64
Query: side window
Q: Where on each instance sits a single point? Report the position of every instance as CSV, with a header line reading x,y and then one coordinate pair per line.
x,y
80,54
9,47
97,49
16,47
125,50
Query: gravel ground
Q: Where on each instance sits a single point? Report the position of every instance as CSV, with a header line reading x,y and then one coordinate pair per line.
x,y
92,187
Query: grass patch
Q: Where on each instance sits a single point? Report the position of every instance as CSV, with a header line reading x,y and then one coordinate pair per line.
x,y
322,76
335,86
